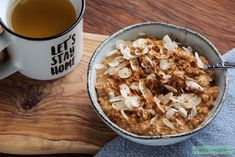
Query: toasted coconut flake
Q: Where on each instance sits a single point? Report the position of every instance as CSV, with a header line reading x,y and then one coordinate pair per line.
x,y
135,86
152,120
139,43
171,89
200,64
99,66
182,112
120,44
125,91
164,64
124,73
193,113
112,53
145,91
193,85
124,115
117,98
165,99
112,71
157,101
169,44
114,63
170,113
168,123
188,49
179,122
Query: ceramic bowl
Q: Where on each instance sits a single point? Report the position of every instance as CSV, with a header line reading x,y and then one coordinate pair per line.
x,y
185,36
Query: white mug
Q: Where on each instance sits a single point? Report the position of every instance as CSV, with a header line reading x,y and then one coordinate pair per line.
x,y
41,58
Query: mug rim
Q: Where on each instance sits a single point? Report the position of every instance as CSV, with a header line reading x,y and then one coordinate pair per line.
x,y
79,18
155,137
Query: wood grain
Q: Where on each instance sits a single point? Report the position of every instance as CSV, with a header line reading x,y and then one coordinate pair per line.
x,y
215,19
44,117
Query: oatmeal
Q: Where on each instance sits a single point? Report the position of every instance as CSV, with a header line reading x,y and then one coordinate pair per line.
x,y
152,86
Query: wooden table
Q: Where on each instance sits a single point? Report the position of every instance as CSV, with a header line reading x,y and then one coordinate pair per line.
x,y
213,19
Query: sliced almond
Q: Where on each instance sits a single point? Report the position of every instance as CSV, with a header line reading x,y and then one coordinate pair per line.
x,y
165,98
124,73
151,77
135,86
193,113
157,102
111,94
146,50
193,85
170,113
125,90
168,123
135,101
145,91
120,59
139,43
182,112
179,122
114,63
117,98
124,115
127,53
148,62
140,111
112,71
120,44
152,120
112,53
169,44
134,64
164,76
171,89
200,64
188,49
120,105
164,64
187,100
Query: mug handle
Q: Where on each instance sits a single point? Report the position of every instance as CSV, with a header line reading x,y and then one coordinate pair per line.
x,y
7,68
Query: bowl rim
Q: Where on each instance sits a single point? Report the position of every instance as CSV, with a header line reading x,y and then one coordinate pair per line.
x,y
121,131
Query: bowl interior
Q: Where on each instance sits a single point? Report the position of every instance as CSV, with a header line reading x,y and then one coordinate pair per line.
x,y
182,35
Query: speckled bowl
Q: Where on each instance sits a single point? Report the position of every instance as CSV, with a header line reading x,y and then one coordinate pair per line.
x,y
184,36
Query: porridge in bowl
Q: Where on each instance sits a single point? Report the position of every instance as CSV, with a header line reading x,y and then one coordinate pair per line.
x,y
152,86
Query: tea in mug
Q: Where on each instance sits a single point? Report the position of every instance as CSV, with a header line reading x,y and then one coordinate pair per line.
x,y
42,18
